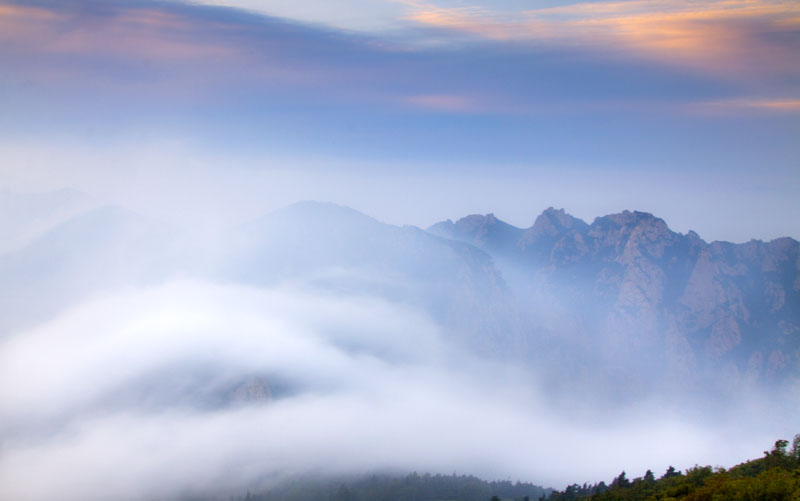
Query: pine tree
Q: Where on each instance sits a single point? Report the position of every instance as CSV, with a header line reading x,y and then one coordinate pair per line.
x,y
671,472
796,448
621,481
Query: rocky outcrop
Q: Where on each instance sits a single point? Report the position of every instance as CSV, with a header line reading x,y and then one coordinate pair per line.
x,y
484,231
253,391
640,288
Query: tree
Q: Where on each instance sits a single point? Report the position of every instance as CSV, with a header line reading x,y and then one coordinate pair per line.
x,y
796,448
780,448
778,456
649,477
345,494
671,472
621,481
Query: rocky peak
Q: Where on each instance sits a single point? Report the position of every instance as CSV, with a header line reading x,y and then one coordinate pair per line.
x,y
253,391
626,222
627,233
484,231
476,222
553,222
694,237
443,227
554,235
636,283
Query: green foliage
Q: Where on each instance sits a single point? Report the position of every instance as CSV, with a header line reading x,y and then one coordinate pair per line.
x,y
671,472
796,448
413,487
774,477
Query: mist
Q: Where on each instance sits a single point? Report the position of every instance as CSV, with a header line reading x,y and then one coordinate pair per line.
x,y
380,349
361,400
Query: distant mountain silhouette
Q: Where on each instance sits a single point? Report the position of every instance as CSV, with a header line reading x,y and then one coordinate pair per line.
x,y
90,252
635,288
622,305
340,249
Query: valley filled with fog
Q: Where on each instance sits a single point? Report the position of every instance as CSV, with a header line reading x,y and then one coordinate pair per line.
x,y
143,359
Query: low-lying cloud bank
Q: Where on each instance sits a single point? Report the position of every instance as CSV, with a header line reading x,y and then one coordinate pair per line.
x,y
117,398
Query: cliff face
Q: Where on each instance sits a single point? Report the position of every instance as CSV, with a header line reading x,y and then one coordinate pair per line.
x,y
639,288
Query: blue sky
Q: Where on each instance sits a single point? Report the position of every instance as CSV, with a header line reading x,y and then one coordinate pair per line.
x,y
412,111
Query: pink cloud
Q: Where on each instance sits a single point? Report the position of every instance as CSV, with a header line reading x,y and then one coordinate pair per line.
x,y
444,102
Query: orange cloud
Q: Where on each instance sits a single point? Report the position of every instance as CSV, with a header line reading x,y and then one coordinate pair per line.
x,y
17,21
709,35
473,20
705,33
768,105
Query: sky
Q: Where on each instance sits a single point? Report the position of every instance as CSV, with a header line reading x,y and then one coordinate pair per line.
x,y
411,111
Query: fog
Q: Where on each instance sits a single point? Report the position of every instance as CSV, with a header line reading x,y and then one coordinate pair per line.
x,y
373,388
379,349
236,186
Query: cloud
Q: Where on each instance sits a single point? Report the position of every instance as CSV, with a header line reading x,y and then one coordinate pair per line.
x,y
719,36
163,54
476,20
444,102
350,15
145,33
166,56
90,401
757,105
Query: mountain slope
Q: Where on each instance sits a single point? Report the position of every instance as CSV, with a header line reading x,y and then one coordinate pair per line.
x,y
339,249
639,289
97,250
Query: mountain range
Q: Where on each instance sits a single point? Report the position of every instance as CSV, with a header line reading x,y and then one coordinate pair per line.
x,y
623,303
636,289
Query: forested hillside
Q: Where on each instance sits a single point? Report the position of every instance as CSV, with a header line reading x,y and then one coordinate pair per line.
x,y
774,477
411,487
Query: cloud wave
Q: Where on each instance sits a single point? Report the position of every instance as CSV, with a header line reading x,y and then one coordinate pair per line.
x,y
90,401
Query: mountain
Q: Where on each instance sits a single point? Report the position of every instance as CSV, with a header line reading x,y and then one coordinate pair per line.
x,y
632,289
420,487
486,232
623,303
93,251
339,249
26,216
